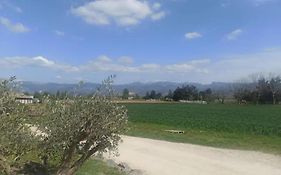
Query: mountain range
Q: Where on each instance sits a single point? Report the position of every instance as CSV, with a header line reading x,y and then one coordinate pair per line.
x,y
136,87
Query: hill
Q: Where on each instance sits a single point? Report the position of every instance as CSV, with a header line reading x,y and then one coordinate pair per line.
x,y
137,87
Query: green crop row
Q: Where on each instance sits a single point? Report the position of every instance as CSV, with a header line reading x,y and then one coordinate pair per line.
x,y
249,119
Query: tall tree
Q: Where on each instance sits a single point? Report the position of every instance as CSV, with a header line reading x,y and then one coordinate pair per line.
x,y
186,93
274,86
125,94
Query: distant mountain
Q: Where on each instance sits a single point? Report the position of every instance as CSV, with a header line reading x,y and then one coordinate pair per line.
x,y
137,87
142,88
32,87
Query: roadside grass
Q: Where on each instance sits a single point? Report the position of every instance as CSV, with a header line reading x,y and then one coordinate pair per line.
x,y
226,126
266,144
93,166
98,167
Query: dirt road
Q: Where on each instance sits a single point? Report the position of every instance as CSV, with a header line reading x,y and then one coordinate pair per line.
x,y
155,157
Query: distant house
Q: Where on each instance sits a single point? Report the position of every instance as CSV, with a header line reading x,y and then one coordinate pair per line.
x,y
132,95
27,99
193,102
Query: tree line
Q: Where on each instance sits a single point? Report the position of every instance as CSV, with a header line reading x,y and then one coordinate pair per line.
x,y
188,92
257,89
260,90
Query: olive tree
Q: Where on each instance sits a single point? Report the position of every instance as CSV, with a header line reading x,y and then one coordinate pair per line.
x,y
15,138
75,129
64,133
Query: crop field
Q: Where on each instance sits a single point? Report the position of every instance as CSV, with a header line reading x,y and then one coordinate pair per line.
x,y
263,120
235,126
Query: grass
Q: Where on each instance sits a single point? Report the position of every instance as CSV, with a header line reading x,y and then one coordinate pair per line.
x,y
98,167
247,127
93,166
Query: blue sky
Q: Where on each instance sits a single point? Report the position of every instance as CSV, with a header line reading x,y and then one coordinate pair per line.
x,y
138,40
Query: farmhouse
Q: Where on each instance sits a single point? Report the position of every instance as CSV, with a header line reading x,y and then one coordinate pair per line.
x,y
193,102
26,99
132,95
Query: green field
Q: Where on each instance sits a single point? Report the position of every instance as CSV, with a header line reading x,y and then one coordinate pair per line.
x,y
232,126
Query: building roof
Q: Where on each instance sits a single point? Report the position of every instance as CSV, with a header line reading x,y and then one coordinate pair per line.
x,y
25,97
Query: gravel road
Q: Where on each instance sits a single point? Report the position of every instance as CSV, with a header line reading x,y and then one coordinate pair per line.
x,y
154,157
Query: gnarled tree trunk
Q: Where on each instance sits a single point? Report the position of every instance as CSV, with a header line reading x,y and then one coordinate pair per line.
x,y
71,169
4,166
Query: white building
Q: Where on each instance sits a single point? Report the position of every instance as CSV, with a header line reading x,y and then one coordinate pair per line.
x,y
132,95
26,99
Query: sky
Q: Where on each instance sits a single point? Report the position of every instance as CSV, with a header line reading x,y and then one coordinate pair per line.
x,y
203,41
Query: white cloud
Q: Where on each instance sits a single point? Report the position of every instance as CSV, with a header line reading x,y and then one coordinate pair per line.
x,y
8,5
18,9
148,68
226,68
102,64
180,68
234,34
261,2
257,3
14,27
120,12
234,67
158,16
123,64
59,33
156,6
200,61
192,35
104,59
225,4
198,66
105,64
58,77
125,60
43,61
39,61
